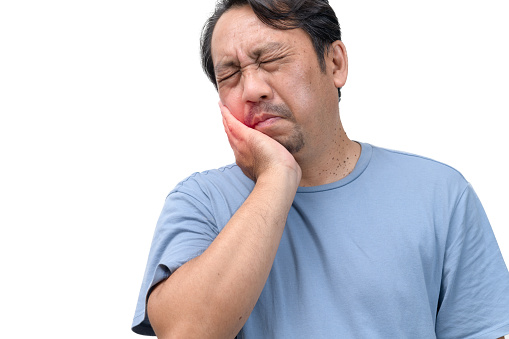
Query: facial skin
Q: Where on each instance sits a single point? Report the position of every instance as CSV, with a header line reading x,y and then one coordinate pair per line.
x,y
271,81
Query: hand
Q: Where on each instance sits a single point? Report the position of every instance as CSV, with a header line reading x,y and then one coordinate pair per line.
x,y
256,153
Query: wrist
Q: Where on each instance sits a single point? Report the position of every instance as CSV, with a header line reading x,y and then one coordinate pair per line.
x,y
281,177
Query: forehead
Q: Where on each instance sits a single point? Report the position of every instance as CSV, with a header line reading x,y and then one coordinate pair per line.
x,y
239,32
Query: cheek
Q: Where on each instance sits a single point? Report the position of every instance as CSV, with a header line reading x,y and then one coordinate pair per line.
x,y
233,102
298,89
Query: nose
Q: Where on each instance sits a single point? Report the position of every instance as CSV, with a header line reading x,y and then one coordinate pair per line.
x,y
255,87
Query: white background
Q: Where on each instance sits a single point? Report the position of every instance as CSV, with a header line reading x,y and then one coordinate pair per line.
x,y
104,108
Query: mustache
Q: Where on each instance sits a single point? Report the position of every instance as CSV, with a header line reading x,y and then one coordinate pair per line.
x,y
280,110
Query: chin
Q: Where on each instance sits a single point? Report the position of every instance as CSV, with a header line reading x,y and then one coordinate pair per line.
x,y
293,144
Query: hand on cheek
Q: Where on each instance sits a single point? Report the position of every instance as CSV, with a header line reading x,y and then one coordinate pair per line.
x,y
256,153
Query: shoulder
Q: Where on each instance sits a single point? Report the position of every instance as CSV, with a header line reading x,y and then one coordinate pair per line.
x,y
224,178
219,191
409,173
404,162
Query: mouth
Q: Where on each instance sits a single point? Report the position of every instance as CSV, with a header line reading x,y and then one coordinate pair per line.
x,y
266,123
263,120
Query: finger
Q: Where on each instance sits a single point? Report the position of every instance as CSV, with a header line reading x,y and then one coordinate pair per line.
x,y
233,140
224,113
233,144
228,132
236,128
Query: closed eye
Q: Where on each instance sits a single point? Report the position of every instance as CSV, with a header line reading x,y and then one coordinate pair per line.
x,y
269,61
272,60
227,77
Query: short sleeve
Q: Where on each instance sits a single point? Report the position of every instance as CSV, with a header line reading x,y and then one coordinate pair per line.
x,y
184,230
474,295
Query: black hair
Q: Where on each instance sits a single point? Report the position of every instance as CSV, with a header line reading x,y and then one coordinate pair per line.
x,y
315,17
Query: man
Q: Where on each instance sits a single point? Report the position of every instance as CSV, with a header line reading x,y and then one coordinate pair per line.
x,y
311,234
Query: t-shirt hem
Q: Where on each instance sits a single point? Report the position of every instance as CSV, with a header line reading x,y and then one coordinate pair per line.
x,y
139,327
494,334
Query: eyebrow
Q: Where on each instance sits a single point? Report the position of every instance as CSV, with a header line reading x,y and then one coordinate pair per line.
x,y
223,66
270,47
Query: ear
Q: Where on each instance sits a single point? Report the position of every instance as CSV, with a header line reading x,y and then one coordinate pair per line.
x,y
340,63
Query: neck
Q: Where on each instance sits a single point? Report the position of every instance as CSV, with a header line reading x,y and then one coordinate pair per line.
x,y
330,163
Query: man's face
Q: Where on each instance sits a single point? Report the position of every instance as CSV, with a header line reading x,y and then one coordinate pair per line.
x,y
271,80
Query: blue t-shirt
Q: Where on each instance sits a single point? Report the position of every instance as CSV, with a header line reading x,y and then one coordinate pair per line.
x,y
400,248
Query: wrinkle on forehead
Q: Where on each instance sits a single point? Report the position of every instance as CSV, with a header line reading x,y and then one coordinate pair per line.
x,y
232,26
239,36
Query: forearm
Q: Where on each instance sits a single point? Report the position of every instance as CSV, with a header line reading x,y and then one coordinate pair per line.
x,y
212,295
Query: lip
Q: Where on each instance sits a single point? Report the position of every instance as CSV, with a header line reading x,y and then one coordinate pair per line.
x,y
266,123
261,120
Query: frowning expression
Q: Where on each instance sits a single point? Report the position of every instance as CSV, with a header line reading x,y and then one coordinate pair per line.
x,y
271,80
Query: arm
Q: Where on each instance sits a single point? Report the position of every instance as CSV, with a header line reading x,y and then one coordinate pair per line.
x,y
212,295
